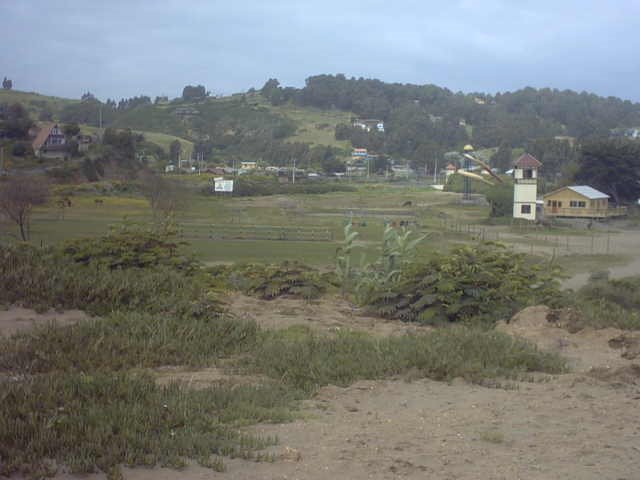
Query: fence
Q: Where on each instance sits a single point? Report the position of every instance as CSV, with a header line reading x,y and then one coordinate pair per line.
x,y
269,232
527,241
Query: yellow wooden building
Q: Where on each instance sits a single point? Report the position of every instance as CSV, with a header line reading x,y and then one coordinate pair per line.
x,y
579,201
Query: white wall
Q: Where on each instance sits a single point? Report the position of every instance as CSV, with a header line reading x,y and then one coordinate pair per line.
x,y
524,194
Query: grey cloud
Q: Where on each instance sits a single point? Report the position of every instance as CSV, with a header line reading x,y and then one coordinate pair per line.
x,y
124,48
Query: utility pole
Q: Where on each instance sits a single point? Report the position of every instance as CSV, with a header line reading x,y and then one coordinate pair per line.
x,y
294,171
435,172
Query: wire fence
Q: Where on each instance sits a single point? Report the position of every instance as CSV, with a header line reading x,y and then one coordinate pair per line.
x,y
268,232
593,243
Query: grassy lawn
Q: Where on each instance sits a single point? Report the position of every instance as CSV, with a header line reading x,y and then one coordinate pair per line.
x,y
370,208
161,139
314,125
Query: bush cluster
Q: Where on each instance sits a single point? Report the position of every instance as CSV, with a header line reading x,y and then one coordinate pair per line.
x,y
272,281
481,282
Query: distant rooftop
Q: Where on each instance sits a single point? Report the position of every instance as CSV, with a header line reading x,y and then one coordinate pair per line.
x,y
528,161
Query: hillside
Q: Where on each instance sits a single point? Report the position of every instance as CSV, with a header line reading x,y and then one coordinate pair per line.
x,y
314,124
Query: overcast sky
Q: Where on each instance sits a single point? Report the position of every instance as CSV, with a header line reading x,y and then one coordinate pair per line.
x,y
122,48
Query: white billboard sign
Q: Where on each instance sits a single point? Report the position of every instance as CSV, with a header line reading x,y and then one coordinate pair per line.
x,y
221,185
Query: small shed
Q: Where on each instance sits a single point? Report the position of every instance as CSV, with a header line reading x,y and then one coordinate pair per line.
x,y
579,201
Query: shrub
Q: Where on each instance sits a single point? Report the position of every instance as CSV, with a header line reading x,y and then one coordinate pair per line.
x,y
484,282
130,245
256,185
272,281
45,278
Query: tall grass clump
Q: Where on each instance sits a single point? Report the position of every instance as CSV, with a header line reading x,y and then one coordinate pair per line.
x,y
307,361
605,302
100,421
127,340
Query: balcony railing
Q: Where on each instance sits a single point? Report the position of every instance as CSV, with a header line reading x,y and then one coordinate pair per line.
x,y
585,212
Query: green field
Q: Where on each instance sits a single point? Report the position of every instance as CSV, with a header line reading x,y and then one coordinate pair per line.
x,y
438,215
369,208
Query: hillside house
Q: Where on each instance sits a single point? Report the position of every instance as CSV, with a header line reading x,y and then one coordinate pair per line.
x,y
368,124
49,142
580,201
248,165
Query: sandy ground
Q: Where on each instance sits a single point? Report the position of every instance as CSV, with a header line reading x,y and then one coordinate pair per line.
x,y
329,314
17,319
580,425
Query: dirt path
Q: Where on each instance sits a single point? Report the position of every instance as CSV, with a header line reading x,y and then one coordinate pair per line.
x,y
330,314
17,319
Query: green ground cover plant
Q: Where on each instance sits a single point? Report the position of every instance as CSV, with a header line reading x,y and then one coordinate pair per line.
x,y
306,360
271,281
100,421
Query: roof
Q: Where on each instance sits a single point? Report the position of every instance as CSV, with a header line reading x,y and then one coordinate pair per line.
x,y
587,191
584,190
42,135
528,161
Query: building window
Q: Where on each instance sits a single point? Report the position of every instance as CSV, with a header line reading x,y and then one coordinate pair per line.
x,y
559,204
582,204
573,203
548,203
525,209
527,173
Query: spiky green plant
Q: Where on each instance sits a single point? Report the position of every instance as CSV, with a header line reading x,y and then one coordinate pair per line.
x,y
344,261
398,252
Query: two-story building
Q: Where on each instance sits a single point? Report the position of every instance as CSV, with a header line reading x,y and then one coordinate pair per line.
x,y
50,141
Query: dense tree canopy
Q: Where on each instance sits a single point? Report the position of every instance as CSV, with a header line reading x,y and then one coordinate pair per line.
x,y
191,92
612,166
15,121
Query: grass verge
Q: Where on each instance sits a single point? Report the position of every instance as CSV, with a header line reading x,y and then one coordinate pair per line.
x,y
100,421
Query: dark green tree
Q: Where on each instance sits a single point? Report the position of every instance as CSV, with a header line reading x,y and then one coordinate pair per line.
x,y
191,92
502,158
612,166
15,121
500,197
71,130
175,149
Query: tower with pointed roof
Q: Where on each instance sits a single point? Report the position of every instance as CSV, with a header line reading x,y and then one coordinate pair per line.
x,y
525,188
